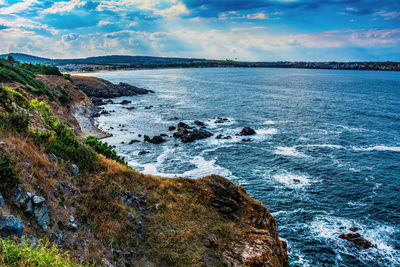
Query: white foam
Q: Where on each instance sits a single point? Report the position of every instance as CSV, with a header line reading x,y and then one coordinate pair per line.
x,y
204,168
269,122
378,148
326,145
289,151
328,228
292,180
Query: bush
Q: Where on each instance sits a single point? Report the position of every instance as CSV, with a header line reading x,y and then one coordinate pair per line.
x,y
20,120
103,148
7,96
63,142
41,136
7,173
25,74
23,254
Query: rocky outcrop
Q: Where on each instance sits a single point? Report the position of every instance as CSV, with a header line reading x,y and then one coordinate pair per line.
x,y
247,131
189,134
259,244
97,87
357,239
11,227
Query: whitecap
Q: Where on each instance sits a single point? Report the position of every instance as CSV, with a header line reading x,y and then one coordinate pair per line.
x,y
326,145
204,168
378,148
292,180
328,228
269,122
289,151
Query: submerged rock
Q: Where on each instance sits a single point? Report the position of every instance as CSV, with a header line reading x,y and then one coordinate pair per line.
x,y
11,226
221,120
125,102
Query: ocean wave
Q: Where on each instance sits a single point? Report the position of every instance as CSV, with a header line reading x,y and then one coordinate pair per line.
x,y
328,229
326,145
204,168
292,180
289,151
269,122
378,148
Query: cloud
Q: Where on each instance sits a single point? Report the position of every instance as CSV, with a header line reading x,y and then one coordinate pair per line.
x,y
63,7
174,11
18,7
387,15
104,22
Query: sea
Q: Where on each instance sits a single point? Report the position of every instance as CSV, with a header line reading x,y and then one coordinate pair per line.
x,y
325,156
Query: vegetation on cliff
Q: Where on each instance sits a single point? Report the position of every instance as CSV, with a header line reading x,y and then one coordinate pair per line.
x,y
82,196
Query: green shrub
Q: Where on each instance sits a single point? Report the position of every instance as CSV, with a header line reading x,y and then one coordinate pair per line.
x,y
63,142
7,173
41,136
67,77
20,120
103,148
25,74
8,96
23,254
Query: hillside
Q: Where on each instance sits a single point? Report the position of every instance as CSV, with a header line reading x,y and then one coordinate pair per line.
x,y
80,195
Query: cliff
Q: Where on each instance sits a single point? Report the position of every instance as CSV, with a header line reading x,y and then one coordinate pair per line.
x,y
81,196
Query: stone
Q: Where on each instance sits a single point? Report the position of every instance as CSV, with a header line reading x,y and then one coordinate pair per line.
x,y
189,134
72,226
143,152
71,219
2,143
134,141
220,120
154,140
247,140
37,200
2,202
53,157
125,102
296,180
357,240
247,131
10,227
75,169
42,217
353,229
171,128
199,123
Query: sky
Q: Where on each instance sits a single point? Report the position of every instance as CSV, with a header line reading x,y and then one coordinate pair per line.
x,y
246,30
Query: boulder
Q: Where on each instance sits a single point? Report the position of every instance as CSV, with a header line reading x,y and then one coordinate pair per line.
x,y
221,120
143,152
154,140
134,141
10,227
171,128
247,131
189,134
125,102
357,240
75,169
199,123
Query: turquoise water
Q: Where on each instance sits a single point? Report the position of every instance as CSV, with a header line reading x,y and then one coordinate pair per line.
x,y
326,154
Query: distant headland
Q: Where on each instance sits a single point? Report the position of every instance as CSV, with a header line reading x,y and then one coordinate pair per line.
x,y
124,62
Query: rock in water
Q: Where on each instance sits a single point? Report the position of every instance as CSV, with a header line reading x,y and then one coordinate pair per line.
x,y
189,134
247,131
11,226
357,239
155,140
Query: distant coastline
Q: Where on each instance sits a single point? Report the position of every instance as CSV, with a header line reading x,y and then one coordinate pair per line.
x,y
124,62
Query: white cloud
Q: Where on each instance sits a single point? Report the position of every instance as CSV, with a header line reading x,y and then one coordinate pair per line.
x,y
104,22
18,7
173,11
63,7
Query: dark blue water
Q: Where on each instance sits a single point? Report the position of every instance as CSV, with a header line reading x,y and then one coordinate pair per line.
x,y
326,154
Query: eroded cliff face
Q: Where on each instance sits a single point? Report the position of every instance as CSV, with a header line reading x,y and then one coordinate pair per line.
x,y
112,214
